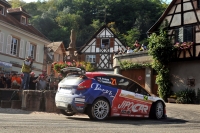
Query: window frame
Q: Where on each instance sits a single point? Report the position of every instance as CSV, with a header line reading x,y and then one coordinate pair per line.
x,y
13,49
91,58
2,12
23,18
107,43
185,34
34,51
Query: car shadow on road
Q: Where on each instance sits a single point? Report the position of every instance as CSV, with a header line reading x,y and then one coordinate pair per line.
x,y
135,121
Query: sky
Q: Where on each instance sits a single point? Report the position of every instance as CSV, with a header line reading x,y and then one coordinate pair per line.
x,y
27,1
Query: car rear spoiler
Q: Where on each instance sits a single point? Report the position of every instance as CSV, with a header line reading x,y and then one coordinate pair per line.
x,y
73,70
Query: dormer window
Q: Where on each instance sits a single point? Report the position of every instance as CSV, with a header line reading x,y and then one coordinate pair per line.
x,y
2,10
23,20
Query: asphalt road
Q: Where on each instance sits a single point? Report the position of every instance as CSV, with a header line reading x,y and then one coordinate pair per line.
x,y
181,119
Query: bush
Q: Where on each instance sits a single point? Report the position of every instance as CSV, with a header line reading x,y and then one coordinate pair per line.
x,y
187,96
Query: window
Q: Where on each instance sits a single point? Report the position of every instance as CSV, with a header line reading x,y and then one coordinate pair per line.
x,y
14,46
184,34
198,3
2,10
32,51
105,43
23,20
114,81
138,89
91,58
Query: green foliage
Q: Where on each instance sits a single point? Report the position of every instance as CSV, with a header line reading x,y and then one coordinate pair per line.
x,y
186,96
125,65
132,18
160,49
16,3
131,36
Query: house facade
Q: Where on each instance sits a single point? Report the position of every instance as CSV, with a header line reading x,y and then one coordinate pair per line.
x,y
55,53
19,39
183,28
99,50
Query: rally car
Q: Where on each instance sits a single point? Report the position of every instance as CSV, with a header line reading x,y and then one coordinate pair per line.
x,y
101,95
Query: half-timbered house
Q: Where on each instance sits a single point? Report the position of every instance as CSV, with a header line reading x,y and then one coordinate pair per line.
x,y
99,50
183,28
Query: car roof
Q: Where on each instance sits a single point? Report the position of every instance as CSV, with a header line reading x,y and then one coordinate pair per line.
x,y
94,74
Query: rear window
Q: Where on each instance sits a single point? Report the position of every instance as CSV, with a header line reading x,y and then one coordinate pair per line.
x,y
73,79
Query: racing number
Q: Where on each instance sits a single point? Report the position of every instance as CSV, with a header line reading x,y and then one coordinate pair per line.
x,y
113,81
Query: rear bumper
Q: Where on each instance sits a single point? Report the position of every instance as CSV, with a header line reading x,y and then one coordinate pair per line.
x,y
69,102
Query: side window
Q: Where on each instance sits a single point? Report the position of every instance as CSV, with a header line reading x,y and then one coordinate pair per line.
x,y
138,89
114,81
123,83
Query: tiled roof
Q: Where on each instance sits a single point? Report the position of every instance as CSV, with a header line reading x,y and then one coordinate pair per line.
x,y
17,10
5,3
29,28
55,45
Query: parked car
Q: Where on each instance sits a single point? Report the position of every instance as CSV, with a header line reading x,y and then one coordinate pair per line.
x,y
101,95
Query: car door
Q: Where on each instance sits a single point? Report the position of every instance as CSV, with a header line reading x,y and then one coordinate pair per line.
x,y
140,105
132,99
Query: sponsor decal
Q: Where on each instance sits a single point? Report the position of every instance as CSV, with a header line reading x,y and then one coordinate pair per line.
x,y
139,96
113,81
104,80
115,109
97,87
145,97
134,107
125,112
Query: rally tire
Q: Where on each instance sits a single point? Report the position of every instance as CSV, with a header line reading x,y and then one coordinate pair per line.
x,y
157,110
99,110
67,113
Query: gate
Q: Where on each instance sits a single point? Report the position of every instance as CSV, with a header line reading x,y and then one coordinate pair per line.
x,y
137,75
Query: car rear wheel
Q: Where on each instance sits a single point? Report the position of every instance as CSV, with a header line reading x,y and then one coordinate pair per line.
x,y
157,110
99,110
66,112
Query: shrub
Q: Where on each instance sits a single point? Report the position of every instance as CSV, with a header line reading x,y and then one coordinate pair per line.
x,y
186,96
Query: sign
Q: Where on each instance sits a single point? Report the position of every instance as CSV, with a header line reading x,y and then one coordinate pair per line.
x,y
139,77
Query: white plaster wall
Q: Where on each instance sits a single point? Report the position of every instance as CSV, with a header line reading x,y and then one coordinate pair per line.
x,y
176,20
183,70
187,6
189,17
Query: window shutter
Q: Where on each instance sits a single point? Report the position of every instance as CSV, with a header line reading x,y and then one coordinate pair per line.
x,y
37,54
21,49
1,41
28,49
8,46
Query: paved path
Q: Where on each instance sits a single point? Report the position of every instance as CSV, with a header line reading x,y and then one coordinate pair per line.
x,y
181,119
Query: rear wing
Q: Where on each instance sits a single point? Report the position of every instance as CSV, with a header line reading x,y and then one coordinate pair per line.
x,y
73,71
